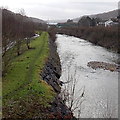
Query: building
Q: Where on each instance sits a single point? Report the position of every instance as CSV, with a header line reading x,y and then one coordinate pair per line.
x,y
111,23
101,24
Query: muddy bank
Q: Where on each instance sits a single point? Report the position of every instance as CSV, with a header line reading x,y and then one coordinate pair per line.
x,y
51,74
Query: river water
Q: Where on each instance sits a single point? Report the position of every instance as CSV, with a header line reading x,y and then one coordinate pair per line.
x,y
95,90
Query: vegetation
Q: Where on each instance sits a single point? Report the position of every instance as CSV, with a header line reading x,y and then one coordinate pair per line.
x,y
86,21
52,32
17,29
107,37
25,95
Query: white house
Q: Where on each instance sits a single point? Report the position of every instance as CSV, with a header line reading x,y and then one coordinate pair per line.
x,y
101,24
110,23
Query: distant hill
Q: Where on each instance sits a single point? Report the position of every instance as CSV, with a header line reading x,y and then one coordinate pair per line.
x,y
103,16
37,20
26,18
57,21
107,15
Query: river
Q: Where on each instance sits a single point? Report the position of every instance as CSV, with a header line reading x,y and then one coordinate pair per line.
x,y
96,90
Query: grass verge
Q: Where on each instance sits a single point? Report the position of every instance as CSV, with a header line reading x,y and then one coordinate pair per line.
x,y
22,84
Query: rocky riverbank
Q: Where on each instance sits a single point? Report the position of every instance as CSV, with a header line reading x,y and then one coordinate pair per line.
x,y
51,74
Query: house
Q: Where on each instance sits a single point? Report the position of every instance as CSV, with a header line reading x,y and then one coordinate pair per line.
x,y
108,23
101,24
111,23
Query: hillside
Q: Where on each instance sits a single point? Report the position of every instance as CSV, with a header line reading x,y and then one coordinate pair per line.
x,y
104,16
36,20
107,15
56,21
26,18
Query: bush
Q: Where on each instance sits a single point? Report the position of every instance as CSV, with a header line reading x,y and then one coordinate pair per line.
x,y
107,37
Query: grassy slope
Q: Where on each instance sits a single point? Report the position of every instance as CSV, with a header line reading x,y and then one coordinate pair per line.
x,y
23,80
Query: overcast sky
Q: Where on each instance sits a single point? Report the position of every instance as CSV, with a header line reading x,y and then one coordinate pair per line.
x,y
60,9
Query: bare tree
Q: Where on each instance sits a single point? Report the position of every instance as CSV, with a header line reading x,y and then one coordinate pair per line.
x,y
22,12
15,28
69,93
20,35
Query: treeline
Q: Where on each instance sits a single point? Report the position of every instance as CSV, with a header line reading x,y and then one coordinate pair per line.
x,y
17,30
16,27
108,37
84,21
52,33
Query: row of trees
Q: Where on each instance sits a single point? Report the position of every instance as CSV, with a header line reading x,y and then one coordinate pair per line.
x,y
86,21
17,29
107,37
14,29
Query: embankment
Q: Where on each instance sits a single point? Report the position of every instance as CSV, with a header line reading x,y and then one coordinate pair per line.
x,y
107,37
51,74
26,95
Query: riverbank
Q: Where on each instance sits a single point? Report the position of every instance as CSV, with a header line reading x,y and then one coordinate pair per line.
x,y
100,96
107,37
31,84
25,94
51,74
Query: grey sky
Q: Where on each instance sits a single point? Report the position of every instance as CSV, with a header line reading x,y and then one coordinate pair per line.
x,y
60,9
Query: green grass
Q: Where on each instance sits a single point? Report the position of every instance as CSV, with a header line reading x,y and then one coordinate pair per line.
x,y
23,74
